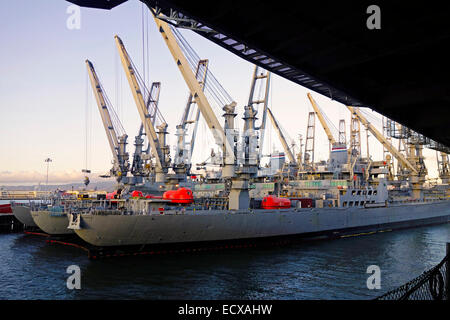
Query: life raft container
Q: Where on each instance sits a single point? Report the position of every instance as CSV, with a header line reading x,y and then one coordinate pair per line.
x,y
180,196
272,202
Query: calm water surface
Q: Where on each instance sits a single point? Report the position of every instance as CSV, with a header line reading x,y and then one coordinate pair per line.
x,y
329,269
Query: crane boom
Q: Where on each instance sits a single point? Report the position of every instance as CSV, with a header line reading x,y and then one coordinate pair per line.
x,y
383,140
103,109
117,144
281,137
321,119
142,108
196,91
200,75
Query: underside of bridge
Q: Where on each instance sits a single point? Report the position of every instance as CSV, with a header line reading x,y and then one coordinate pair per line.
x,y
401,70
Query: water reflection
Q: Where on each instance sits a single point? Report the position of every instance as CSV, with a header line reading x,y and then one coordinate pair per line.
x,y
336,269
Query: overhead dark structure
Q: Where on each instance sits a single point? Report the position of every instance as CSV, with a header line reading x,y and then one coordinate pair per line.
x,y
401,70
99,4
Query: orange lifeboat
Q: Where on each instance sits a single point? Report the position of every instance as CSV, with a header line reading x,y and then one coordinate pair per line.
x,y
272,202
137,194
179,196
151,196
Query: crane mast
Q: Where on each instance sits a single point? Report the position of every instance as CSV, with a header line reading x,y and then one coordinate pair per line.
x,y
310,142
117,143
224,140
158,152
355,137
137,168
342,132
324,124
260,75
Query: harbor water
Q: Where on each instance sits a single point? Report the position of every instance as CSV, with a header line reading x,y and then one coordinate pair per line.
x,y
30,268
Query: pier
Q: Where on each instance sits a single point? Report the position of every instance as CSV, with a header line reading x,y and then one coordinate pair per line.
x,y
24,195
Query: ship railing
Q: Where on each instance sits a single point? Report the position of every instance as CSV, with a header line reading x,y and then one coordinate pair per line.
x,y
213,203
124,206
433,284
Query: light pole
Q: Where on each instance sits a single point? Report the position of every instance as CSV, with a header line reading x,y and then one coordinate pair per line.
x,y
48,160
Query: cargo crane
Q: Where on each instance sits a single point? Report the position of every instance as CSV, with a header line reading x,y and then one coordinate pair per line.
x,y
224,137
338,150
322,120
416,179
140,156
182,160
112,127
159,149
261,78
413,144
237,178
286,148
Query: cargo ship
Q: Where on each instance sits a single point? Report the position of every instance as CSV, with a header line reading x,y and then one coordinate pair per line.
x,y
345,196
156,222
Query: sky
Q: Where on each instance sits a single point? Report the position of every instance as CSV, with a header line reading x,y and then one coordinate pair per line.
x,y
47,109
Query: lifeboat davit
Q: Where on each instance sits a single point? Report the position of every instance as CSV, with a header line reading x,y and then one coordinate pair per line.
x,y
180,196
272,202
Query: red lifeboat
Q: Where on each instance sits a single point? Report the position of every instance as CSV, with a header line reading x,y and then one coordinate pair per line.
x,y
152,196
272,202
5,208
111,195
137,194
180,196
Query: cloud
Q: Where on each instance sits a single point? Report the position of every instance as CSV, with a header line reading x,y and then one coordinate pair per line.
x,y
30,177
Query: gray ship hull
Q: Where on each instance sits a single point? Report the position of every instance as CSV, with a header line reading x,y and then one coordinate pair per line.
x,y
51,222
174,227
23,214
